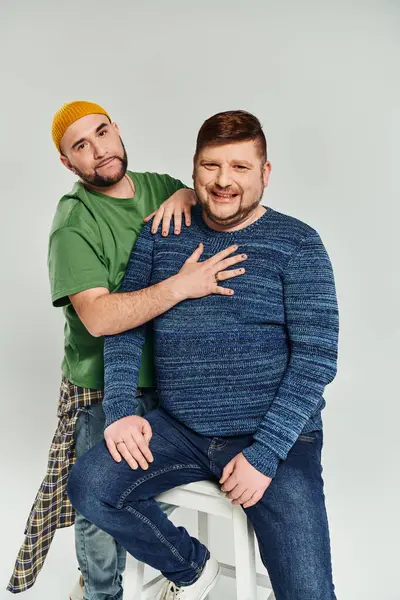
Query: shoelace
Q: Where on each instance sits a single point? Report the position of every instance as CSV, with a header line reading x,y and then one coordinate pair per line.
x,y
172,592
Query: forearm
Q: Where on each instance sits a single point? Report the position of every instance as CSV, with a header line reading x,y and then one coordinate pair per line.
x,y
299,395
313,324
118,312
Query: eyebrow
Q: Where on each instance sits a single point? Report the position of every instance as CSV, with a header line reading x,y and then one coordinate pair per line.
x,y
241,162
99,128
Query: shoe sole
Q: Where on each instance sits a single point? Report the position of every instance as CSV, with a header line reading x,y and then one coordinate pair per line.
x,y
211,584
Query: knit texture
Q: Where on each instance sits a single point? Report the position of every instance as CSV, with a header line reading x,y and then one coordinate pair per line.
x,y
254,363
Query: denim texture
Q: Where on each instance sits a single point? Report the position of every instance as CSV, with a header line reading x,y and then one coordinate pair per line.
x,y
290,520
101,559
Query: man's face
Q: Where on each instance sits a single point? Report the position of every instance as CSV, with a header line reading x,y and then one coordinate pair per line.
x,y
229,181
92,148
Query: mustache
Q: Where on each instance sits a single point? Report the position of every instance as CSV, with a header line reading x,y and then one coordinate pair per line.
x,y
227,190
103,162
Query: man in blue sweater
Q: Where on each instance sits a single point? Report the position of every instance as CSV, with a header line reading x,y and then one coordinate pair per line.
x,y
240,384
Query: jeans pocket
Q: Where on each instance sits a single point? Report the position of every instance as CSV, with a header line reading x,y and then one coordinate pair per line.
x,y
89,428
310,442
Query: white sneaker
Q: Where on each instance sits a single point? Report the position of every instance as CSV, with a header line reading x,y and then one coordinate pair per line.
x,y
78,591
197,591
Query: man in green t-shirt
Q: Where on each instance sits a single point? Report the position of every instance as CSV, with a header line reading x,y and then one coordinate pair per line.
x,y
93,231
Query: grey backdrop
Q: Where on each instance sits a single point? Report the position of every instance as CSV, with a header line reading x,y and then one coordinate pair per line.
x,y
323,79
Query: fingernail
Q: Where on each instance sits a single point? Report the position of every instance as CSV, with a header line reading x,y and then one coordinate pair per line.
x,y
244,255
164,233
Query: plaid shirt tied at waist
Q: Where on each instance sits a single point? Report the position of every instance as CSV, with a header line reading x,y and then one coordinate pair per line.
x,y
51,509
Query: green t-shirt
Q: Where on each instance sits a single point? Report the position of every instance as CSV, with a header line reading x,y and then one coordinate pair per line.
x,y
91,240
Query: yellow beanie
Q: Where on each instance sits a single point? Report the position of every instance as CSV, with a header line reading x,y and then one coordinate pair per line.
x,y
71,112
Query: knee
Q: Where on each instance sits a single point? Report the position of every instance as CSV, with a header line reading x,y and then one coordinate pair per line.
x,y
78,488
85,483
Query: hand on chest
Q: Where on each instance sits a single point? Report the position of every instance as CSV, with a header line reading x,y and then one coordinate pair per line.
x,y
258,293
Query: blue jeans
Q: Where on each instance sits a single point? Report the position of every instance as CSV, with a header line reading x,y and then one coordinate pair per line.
x,y
290,520
101,558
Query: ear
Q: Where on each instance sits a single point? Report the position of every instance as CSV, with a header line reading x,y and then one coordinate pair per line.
x,y
66,163
266,172
194,168
116,128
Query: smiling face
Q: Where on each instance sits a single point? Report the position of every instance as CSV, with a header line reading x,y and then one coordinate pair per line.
x,y
229,181
92,148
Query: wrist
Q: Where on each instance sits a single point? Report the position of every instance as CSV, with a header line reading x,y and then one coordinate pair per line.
x,y
262,459
175,288
114,411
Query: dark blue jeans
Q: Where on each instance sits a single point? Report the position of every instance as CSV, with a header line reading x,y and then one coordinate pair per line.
x,y
290,520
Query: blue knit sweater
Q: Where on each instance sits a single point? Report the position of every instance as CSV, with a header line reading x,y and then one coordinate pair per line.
x,y
254,363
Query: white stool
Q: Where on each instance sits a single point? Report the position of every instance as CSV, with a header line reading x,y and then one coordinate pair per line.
x,y
207,499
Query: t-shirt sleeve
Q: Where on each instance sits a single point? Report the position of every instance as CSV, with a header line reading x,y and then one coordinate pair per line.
x,y
75,264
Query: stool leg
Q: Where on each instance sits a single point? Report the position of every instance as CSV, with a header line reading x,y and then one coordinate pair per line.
x,y
245,556
133,578
203,535
202,519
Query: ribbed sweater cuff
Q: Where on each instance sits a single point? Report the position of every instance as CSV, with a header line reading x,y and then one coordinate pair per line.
x,y
262,459
119,410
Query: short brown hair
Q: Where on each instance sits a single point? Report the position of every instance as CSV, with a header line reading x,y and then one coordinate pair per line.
x,y
229,127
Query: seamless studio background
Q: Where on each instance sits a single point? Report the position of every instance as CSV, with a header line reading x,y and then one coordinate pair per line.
x,y
323,78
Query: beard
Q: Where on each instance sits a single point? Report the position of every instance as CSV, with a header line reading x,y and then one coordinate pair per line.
x,y
239,216
102,181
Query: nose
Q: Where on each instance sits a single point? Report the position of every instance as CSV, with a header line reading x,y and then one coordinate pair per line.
x,y
223,178
98,150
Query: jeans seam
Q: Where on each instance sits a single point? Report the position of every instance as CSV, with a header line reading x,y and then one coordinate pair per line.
x,y
83,525
121,552
221,445
162,539
87,429
151,475
210,449
199,570
84,557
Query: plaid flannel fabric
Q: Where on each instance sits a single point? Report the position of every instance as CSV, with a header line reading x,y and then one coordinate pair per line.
x,y
51,509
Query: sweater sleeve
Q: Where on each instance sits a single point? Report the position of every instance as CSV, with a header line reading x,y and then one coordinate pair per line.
x,y
123,351
312,325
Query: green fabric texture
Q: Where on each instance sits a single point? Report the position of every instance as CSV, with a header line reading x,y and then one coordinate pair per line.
x,y
91,239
